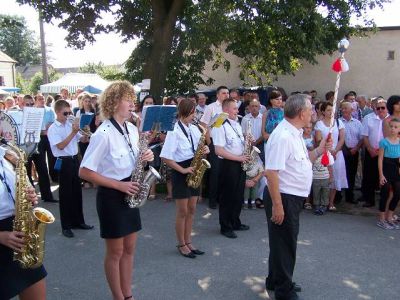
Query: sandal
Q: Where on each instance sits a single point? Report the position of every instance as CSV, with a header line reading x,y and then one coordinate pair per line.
x,y
332,208
168,199
307,206
152,197
129,297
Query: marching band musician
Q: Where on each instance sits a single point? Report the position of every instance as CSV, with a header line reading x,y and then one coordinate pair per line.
x,y
64,138
109,162
178,151
229,145
14,280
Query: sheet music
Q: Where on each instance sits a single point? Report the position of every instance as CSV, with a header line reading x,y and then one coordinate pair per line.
x,y
163,115
32,124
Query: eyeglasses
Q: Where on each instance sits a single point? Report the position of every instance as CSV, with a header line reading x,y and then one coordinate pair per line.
x,y
380,107
67,113
28,104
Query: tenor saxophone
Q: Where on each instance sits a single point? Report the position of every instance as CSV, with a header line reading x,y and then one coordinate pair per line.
x,y
250,150
31,221
145,179
199,164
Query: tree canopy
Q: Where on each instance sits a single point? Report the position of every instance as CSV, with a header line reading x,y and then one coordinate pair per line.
x,y
17,41
106,72
178,37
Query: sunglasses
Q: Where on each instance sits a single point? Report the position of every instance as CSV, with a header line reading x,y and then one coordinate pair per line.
x,y
380,107
28,104
67,113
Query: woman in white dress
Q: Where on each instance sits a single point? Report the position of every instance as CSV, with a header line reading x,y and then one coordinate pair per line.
x,y
339,167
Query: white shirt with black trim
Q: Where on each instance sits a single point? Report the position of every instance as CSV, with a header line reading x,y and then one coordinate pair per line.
x,y
230,137
108,152
177,146
6,203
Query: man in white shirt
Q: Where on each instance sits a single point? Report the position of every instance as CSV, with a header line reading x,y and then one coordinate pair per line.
x,y
352,144
63,138
201,105
288,167
210,111
372,135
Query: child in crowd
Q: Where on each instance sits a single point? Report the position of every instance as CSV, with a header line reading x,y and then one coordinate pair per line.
x,y
322,177
252,187
308,137
389,177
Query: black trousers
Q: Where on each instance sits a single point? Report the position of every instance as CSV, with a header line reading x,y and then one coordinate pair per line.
x,y
283,244
213,177
44,146
70,193
41,167
370,181
351,172
232,189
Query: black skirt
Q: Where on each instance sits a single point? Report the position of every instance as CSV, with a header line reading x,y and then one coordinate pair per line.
x,y
13,278
390,168
116,218
180,189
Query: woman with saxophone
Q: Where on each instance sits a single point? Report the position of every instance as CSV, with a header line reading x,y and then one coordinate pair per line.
x,y
14,280
178,151
109,162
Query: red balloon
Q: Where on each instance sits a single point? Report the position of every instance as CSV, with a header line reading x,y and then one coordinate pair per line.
x,y
337,66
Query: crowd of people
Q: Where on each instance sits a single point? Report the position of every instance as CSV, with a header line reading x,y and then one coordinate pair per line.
x,y
288,137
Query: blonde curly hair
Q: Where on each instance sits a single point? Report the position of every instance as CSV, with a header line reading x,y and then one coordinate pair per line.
x,y
113,95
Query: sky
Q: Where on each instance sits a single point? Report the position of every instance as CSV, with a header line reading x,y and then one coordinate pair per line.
x,y
108,47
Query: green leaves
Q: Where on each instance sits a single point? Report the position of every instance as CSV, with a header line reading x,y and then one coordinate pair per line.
x,y
17,41
270,36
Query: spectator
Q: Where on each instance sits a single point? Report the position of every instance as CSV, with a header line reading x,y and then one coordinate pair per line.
x,y
273,116
372,135
351,147
362,101
49,101
9,103
393,107
322,129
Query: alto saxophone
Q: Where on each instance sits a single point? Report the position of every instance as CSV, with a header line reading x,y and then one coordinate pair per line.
x,y
250,150
199,164
31,221
145,179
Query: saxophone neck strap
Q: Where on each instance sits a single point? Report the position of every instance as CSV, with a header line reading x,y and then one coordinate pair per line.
x,y
126,137
5,183
187,135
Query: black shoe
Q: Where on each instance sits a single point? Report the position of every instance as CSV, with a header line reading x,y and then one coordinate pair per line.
x,y
269,286
195,251
189,255
368,205
50,200
229,234
242,227
68,233
84,226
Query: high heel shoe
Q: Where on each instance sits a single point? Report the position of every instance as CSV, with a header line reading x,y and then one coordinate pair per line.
x,y
195,251
189,255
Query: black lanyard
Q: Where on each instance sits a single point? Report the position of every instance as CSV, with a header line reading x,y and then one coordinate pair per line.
x,y
237,133
3,179
187,135
127,140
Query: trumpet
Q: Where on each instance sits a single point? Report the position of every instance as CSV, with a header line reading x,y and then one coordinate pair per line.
x,y
85,130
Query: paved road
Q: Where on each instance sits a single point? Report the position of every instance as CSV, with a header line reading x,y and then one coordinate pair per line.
x,y
339,257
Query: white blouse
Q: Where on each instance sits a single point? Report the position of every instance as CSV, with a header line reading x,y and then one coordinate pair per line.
x,y
325,130
230,137
6,203
178,146
108,152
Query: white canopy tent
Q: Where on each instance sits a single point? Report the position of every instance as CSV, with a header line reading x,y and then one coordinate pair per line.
x,y
72,81
3,92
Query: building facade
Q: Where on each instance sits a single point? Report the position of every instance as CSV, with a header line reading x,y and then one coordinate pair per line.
x,y
7,70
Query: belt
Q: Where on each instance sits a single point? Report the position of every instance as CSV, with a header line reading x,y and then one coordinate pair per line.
x,y
69,157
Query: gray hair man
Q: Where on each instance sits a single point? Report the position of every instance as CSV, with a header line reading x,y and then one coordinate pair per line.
x,y
288,166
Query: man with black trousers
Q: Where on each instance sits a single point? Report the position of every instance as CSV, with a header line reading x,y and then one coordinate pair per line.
x,y
288,167
229,146
64,137
211,111
39,158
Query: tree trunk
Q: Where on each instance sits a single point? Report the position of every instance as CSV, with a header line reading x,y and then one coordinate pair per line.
x,y
43,49
165,15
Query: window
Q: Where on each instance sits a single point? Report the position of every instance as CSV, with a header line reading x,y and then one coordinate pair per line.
x,y
2,80
390,55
